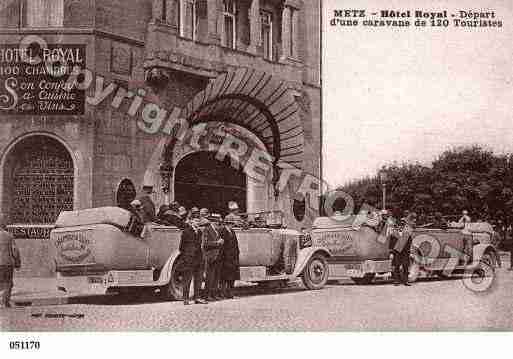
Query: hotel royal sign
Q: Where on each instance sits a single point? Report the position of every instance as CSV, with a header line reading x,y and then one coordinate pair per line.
x,y
33,80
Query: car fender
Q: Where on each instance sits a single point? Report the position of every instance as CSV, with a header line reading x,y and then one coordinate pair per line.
x,y
304,256
165,274
480,249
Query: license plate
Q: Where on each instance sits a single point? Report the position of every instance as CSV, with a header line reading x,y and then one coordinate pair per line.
x,y
353,272
95,280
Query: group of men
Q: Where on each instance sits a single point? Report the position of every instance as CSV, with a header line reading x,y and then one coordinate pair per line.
x,y
208,246
210,254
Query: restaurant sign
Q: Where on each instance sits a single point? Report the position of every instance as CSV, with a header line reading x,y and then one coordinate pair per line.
x,y
33,81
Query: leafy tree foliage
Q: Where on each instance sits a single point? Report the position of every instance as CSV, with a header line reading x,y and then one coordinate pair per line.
x,y
471,178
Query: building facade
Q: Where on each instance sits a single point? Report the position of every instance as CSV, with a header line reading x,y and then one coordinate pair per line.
x,y
247,69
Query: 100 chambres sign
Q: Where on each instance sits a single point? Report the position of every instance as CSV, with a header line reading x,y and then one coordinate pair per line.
x,y
34,81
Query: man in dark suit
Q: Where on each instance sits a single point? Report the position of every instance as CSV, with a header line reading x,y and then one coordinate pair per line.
x,y
212,245
192,261
400,246
230,270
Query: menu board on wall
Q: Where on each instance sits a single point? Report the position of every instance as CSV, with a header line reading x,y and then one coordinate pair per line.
x,y
36,80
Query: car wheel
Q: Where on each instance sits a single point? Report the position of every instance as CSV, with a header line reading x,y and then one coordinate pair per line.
x,y
481,278
315,274
174,289
366,279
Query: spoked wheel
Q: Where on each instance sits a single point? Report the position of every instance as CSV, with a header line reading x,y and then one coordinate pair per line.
x,y
482,277
174,289
315,274
366,279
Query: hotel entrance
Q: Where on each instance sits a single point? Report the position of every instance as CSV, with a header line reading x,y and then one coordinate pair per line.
x,y
203,181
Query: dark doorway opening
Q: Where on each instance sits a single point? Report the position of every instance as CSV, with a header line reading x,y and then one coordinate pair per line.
x,y
203,181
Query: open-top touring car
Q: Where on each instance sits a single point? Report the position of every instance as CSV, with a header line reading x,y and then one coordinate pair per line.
x,y
100,250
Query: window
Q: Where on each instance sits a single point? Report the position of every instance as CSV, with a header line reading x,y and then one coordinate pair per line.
x,y
188,19
125,194
293,32
229,38
39,180
266,19
44,13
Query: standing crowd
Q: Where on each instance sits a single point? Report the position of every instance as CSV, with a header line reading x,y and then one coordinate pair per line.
x,y
209,247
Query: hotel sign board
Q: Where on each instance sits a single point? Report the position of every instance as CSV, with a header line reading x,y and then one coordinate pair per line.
x,y
34,80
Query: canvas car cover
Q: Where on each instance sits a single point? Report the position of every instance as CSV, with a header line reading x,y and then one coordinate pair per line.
x,y
115,216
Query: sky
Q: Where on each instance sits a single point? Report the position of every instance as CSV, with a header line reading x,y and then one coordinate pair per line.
x,y
406,95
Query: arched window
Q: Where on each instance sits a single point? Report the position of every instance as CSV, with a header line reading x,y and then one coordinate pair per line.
x,y
125,194
38,182
299,209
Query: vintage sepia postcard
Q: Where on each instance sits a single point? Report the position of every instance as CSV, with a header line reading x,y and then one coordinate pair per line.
x,y
255,166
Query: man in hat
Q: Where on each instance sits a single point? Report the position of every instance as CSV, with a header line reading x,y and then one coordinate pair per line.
x,y
204,215
400,246
230,270
9,260
191,254
212,245
182,212
465,218
147,205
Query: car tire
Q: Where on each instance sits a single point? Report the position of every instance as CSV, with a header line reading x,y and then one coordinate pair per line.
x,y
316,272
174,289
366,279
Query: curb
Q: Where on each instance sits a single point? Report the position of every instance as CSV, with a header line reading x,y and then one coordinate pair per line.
x,y
40,301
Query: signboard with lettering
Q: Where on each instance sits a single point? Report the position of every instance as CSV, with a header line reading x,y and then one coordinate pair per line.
x,y
340,242
34,81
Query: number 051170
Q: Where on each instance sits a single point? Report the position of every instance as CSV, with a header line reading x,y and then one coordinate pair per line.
x,y
24,345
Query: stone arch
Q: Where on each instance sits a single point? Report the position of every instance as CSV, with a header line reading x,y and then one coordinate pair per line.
x,y
263,104
48,164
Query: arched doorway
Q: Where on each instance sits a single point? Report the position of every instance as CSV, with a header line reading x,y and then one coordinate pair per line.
x,y
38,181
203,181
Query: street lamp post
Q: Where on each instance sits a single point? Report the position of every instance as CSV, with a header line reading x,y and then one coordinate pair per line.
x,y
383,180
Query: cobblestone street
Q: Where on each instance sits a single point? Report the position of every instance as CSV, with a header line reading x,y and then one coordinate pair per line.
x,y
430,304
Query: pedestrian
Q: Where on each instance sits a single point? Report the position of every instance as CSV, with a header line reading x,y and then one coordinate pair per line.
x,y
212,245
182,212
191,255
147,205
465,218
230,269
400,246
204,213
9,260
